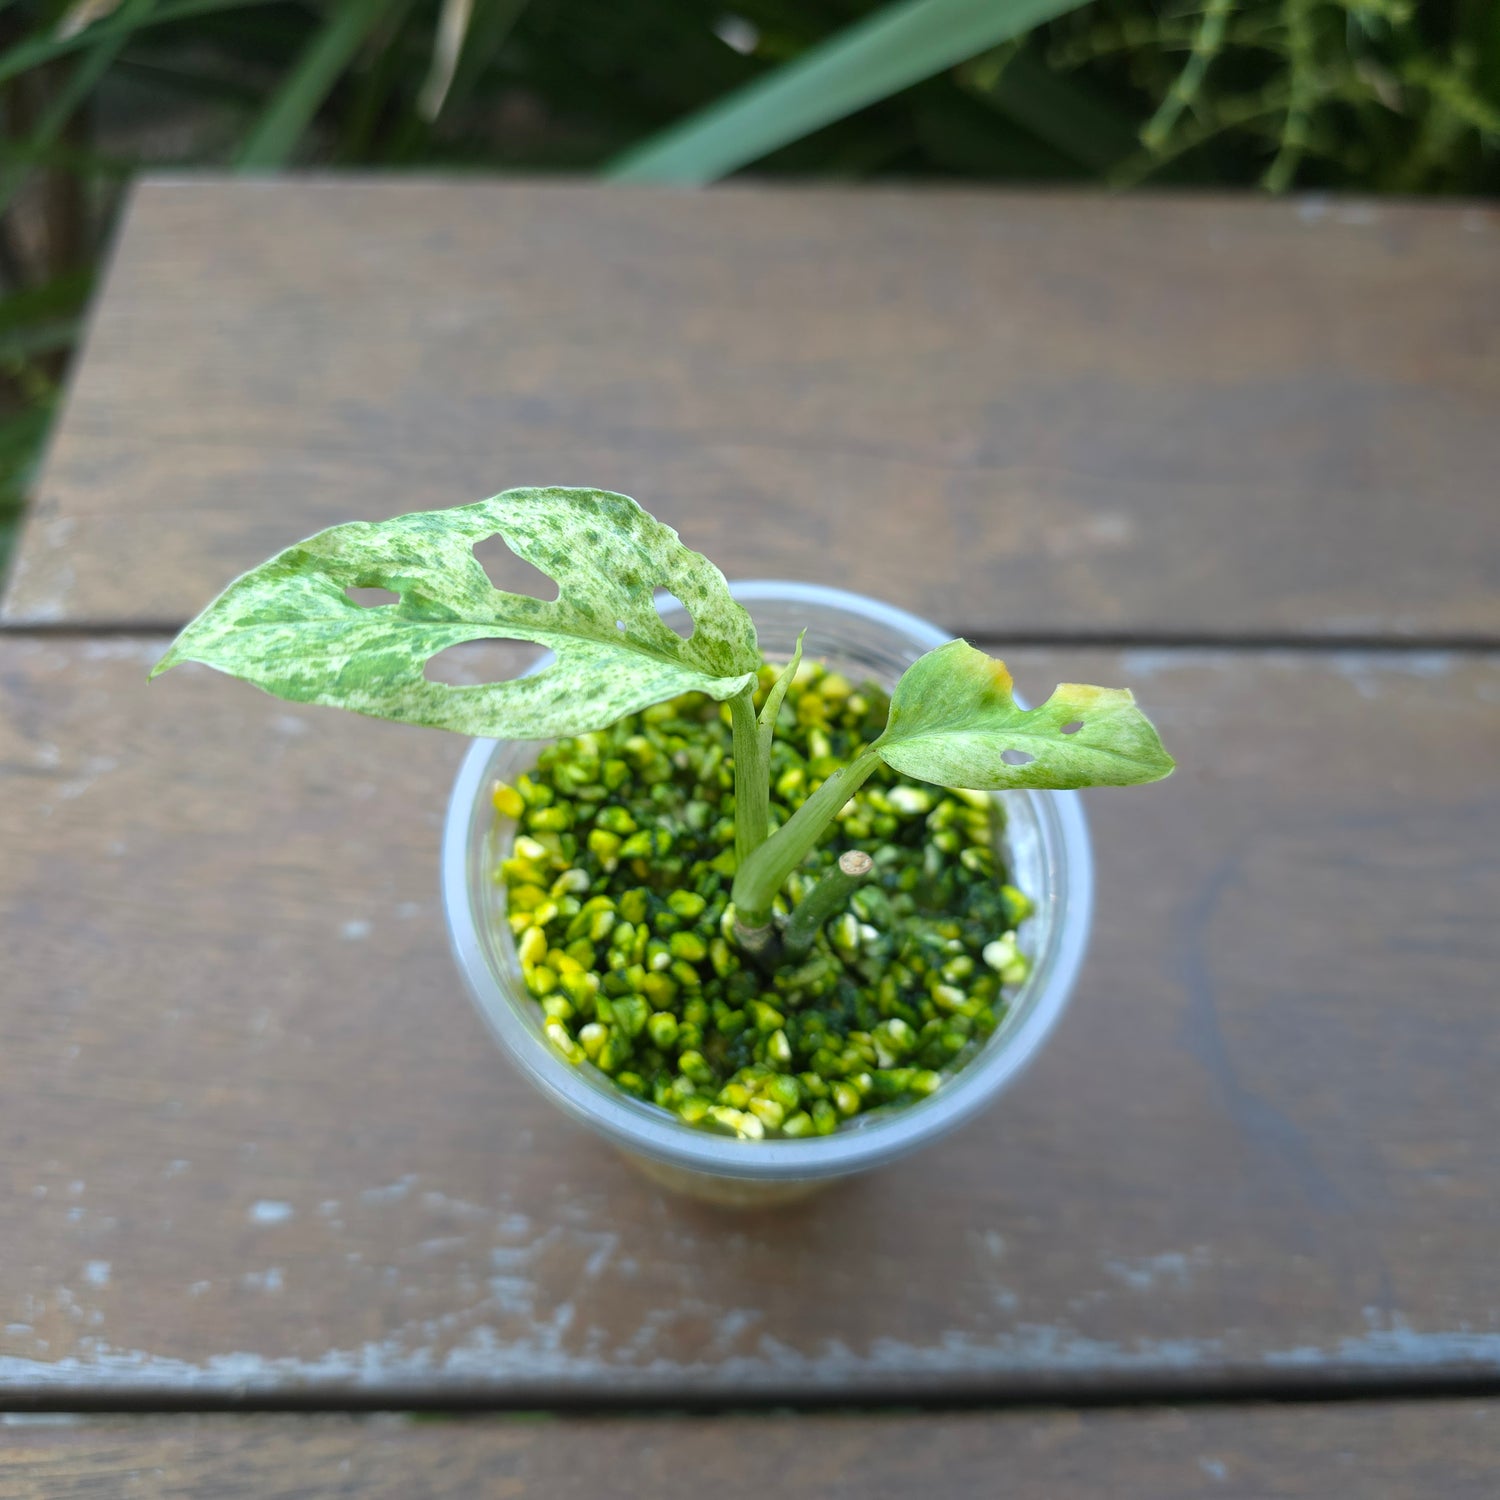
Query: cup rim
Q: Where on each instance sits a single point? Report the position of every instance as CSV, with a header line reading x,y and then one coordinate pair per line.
x,y
648,1130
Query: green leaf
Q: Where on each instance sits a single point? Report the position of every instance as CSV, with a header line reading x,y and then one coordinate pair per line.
x,y
290,111
953,718
60,298
23,435
488,32
767,722
889,51
289,627
37,48
39,338
80,83
1058,110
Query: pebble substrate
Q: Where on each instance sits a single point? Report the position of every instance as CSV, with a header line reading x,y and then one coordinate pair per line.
x,y
618,883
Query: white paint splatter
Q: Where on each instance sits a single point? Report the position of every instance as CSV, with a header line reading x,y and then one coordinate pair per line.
x,y
442,1244
991,1242
93,768
1214,1469
148,651
539,1346
392,1192
731,1326
1364,669
270,1211
271,1280
355,931
461,1208
1144,1274
594,1266
96,1272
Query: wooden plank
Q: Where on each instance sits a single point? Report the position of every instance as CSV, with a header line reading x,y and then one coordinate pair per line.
x,y
255,1140
1045,414
1379,1452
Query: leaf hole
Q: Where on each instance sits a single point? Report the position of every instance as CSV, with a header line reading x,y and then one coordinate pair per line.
x,y
509,572
1017,757
472,663
1073,728
674,614
373,598
619,624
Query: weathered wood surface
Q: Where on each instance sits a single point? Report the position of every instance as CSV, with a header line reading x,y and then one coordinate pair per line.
x,y
1048,414
255,1140
1377,1452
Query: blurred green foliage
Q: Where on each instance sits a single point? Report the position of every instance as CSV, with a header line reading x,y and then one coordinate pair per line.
x,y
1365,95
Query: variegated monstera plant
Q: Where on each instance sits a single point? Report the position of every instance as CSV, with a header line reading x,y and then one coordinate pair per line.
x,y
291,627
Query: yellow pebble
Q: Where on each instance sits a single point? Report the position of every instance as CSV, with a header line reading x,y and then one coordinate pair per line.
x,y
508,801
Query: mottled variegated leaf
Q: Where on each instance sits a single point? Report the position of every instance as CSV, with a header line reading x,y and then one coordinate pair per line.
x,y
289,627
954,721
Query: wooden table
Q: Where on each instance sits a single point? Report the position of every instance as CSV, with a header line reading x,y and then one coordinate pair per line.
x,y
259,1151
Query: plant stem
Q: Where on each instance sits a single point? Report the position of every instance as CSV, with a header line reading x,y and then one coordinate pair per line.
x,y
1294,132
752,779
1206,46
761,945
763,874
828,897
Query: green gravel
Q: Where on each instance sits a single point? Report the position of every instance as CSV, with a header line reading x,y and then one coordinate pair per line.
x,y
618,884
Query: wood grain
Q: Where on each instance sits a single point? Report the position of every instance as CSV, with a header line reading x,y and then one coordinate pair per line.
x,y
1378,1452
255,1140
1046,414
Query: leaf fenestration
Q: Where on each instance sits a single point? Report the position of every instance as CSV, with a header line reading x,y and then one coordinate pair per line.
x,y
289,627
954,720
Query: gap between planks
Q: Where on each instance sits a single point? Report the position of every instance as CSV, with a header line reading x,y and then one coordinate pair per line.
x,y
1312,1390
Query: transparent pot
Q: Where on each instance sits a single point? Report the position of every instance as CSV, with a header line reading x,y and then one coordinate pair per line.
x,y
1046,848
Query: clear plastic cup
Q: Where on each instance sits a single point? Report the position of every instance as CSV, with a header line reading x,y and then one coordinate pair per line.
x,y
1046,848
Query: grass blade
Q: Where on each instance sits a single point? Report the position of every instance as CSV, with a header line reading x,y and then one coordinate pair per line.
x,y
80,84
36,50
23,436
323,62
1055,109
42,319
891,50
488,32
447,43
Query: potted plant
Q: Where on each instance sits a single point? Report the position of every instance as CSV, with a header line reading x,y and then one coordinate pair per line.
x,y
760,924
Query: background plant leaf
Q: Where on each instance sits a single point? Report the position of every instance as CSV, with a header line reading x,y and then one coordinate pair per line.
x,y
289,626
953,717
889,51
286,117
